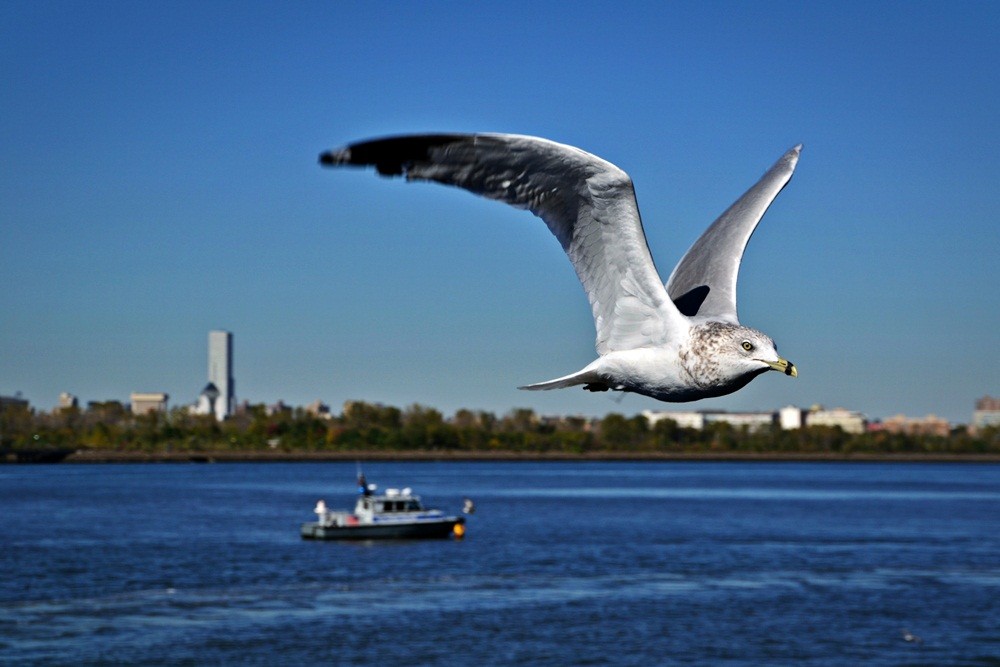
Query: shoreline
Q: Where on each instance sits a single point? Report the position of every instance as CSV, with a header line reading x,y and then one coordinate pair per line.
x,y
92,456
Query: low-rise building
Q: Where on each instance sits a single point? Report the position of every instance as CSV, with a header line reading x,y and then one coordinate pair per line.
x,y
684,419
929,425
700,419
847,420
146,402
987,413
753,421
791,417
14,402
279,408
319,409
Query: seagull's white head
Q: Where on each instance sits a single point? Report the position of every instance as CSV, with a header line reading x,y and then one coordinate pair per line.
x,y
730,355
757,352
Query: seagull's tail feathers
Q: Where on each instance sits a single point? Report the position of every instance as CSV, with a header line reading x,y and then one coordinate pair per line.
x,y
588,376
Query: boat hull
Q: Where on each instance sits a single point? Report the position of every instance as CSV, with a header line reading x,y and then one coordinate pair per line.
x,y
437,529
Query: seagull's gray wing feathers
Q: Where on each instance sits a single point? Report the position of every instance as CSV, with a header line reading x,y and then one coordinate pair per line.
x,y
588,203
704,282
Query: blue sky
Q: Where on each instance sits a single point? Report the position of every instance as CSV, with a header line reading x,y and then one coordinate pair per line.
x,y
160,180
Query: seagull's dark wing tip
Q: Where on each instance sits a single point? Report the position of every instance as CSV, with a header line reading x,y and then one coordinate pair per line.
x,y
330,158
391,156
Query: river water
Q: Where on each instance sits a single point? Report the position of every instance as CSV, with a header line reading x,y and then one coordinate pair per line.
x,y
564,563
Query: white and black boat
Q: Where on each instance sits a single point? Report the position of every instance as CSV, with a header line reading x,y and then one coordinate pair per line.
x,y
394,514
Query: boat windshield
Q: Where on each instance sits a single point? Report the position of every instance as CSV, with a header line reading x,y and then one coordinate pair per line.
x,y
410,505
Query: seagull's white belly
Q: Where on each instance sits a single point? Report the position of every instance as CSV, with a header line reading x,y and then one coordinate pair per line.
x,y
661,373
652,371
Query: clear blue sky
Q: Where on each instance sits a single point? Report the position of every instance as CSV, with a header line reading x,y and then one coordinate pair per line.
x,y
160,180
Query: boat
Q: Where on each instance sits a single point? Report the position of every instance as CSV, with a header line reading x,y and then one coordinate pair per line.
x,y
394,514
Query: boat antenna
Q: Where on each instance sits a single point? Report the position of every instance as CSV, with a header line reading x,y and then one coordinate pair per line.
x,y
362,482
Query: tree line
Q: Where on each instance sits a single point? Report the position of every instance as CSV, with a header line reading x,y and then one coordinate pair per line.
x,y
375,427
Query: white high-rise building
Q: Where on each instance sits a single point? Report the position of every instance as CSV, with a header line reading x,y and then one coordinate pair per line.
x,y
220,372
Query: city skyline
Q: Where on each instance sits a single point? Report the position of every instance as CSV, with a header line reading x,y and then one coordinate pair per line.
x,y
164,182
221,373
984,405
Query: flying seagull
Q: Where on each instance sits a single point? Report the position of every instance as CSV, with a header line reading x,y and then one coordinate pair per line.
x,y
676,342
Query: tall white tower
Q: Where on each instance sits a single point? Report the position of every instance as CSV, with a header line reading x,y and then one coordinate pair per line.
x,y
220,372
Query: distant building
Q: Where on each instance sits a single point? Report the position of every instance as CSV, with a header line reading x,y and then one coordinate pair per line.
x,y
848,420
987,413
988,404
144,403
753,421
929,425
13,402
319,409
206,400
791,417
67,400
279,408
683,418
220,372
788,418
701,418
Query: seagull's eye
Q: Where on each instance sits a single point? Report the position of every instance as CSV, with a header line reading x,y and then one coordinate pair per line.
x,y
747,345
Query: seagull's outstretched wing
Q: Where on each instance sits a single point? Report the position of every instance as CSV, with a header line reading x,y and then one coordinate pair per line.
x,y
588,203
704,282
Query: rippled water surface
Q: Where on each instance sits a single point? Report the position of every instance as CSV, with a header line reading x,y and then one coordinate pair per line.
x,y
563,564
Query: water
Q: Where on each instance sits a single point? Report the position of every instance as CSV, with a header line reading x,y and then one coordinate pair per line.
x,y
590,563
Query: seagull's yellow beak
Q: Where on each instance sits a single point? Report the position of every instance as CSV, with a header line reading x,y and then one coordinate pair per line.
x,y
783,366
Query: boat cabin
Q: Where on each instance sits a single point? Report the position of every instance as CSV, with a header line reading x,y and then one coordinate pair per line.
x,y
392,502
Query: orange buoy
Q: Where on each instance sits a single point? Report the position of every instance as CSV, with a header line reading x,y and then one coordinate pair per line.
x,y
459,530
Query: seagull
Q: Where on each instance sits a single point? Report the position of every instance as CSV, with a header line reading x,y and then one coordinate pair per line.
x,y
675,342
